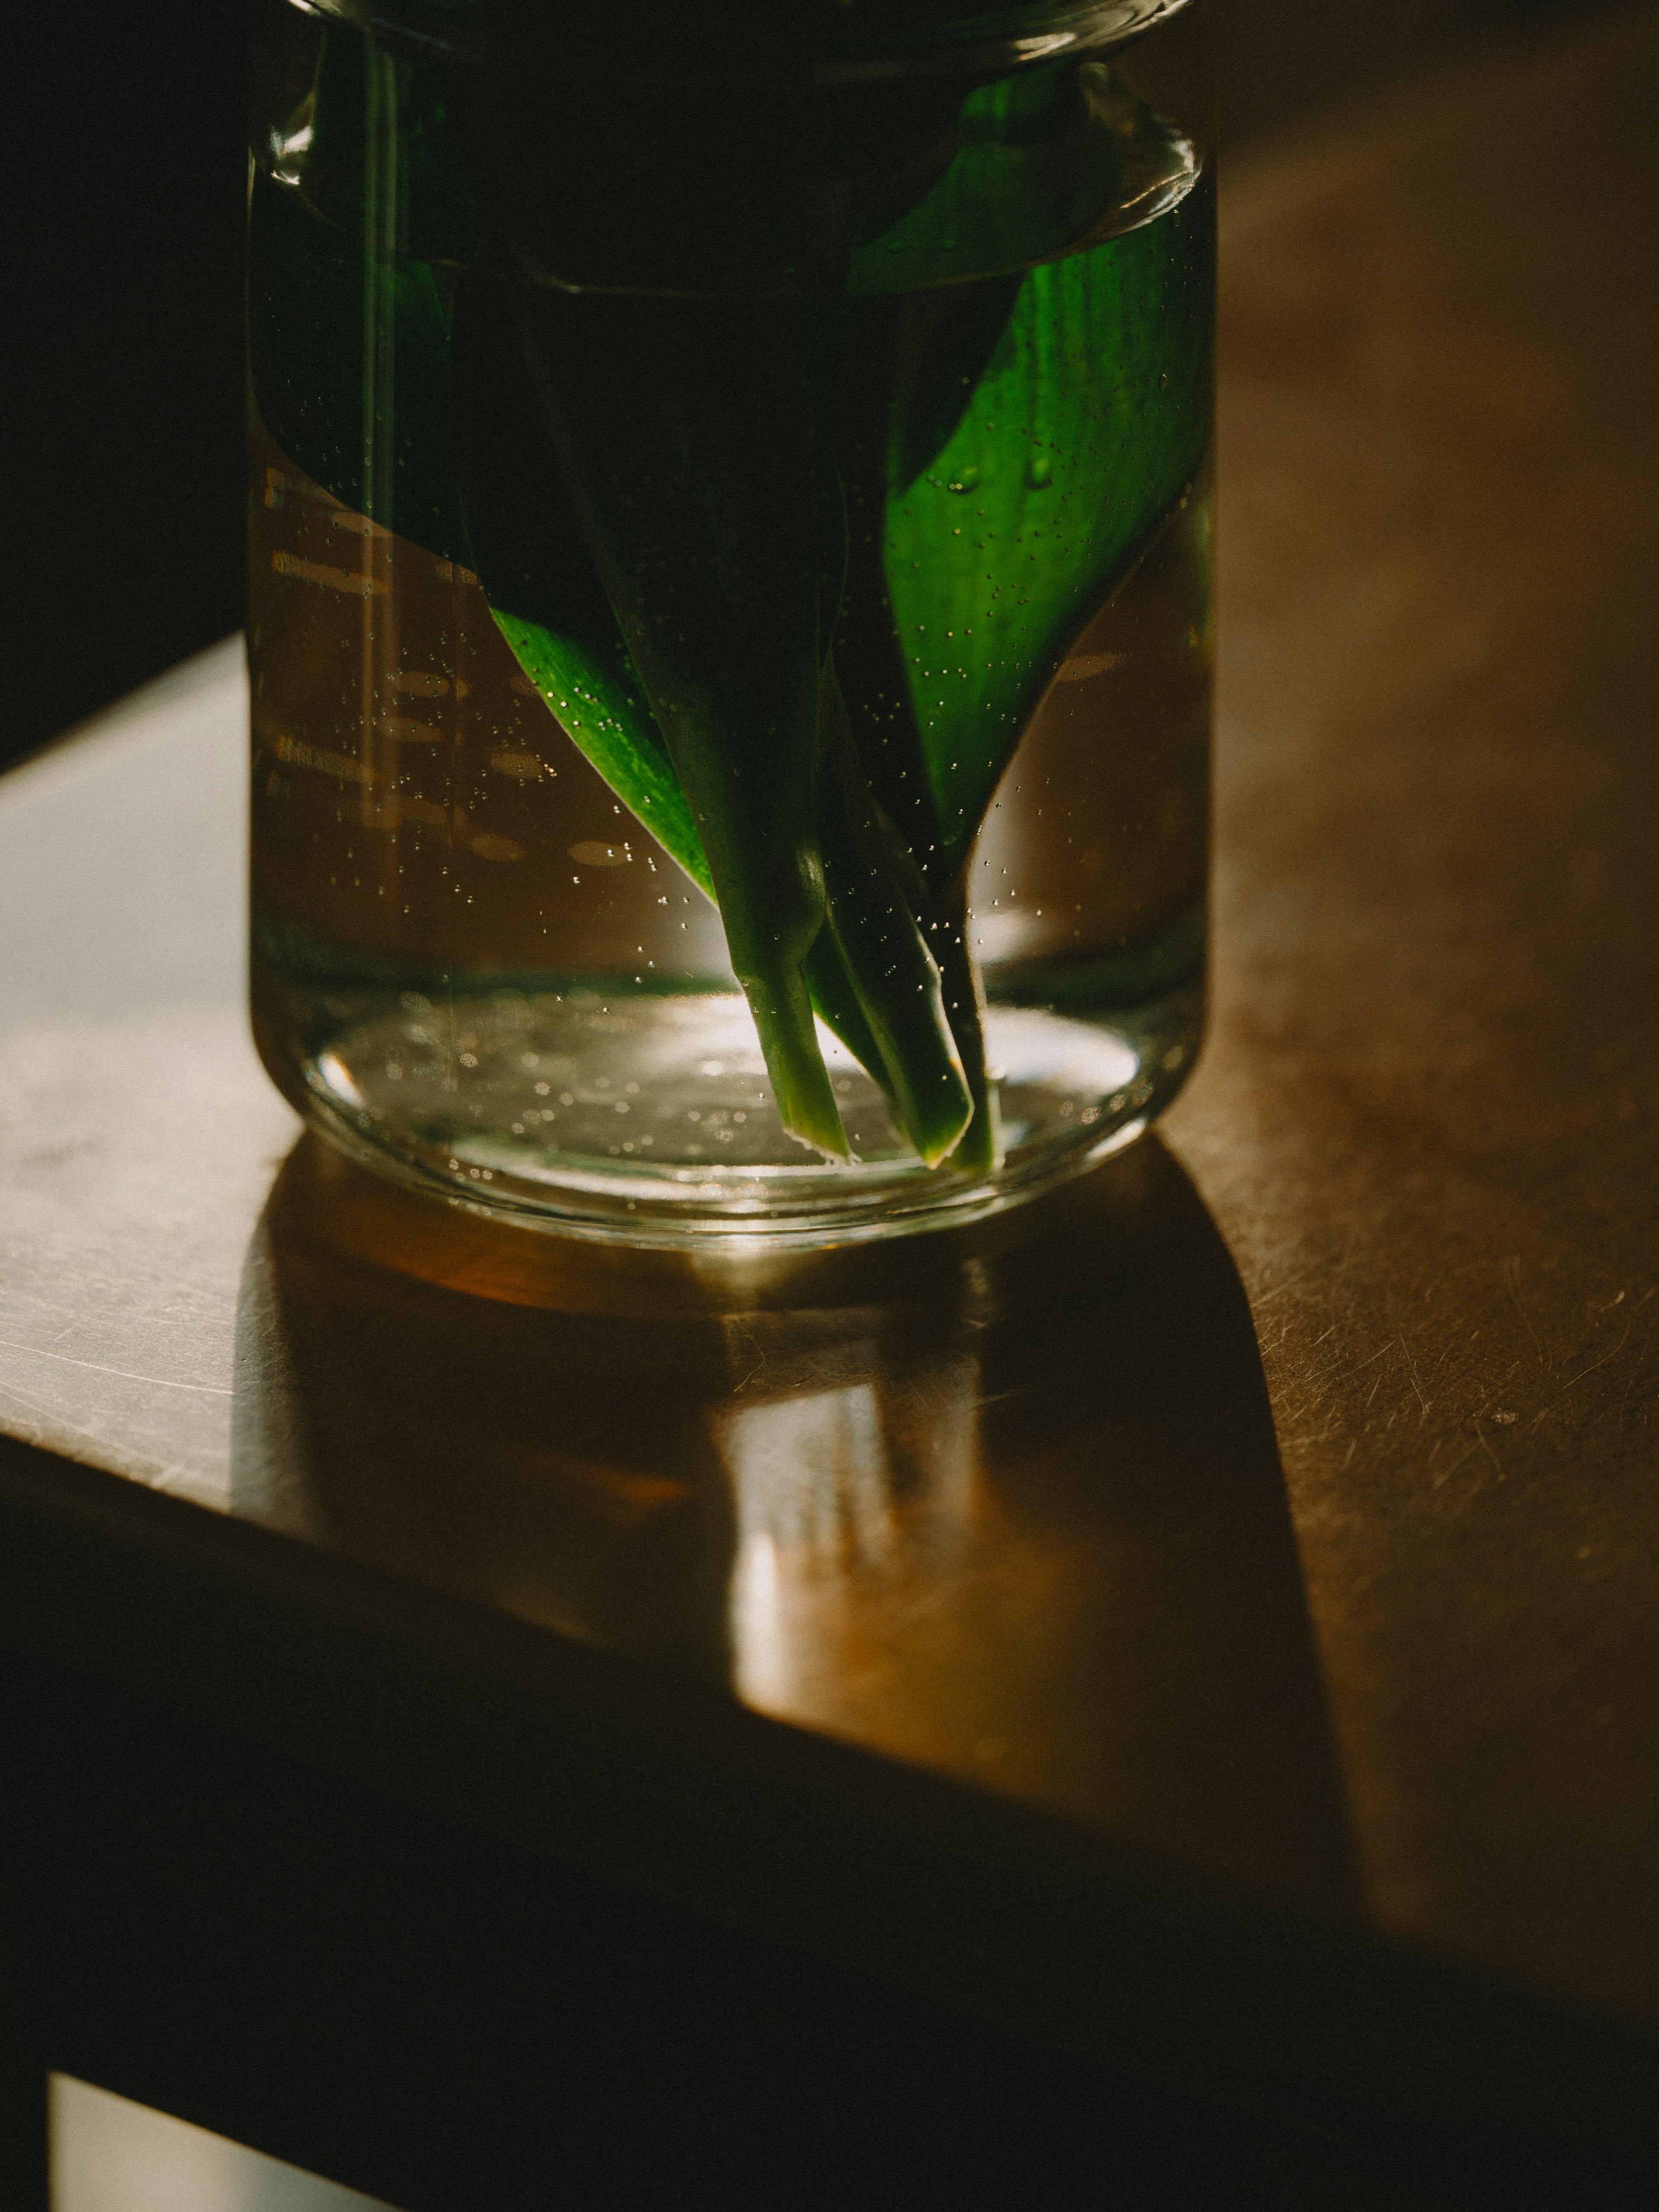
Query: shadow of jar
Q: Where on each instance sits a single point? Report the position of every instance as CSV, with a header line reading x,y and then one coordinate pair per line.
x,y
1003,1501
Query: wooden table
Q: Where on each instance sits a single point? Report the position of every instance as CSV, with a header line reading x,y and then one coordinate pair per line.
x,y
1201,1631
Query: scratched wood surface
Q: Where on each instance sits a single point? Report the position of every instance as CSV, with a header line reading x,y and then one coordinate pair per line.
x,y
1338,1589
1427,1121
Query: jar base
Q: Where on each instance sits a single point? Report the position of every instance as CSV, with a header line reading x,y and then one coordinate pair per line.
x,y
646,1118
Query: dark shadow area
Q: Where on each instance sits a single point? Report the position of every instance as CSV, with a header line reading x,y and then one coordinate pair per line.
x,y
1284,61
1004,1502
430,2016
124,190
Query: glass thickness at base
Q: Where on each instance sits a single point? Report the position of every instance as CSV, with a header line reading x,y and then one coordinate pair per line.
x,y
646,1118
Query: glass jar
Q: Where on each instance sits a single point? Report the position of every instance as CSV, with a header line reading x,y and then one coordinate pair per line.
x,y
730,629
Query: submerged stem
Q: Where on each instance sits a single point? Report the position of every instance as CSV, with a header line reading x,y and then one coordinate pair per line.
x,y
684,432
894,976
980,1152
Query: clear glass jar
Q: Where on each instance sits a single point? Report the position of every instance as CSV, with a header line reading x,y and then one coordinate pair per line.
x,y
730,633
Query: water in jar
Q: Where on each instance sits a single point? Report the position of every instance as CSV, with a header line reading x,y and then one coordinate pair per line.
x,y
970,531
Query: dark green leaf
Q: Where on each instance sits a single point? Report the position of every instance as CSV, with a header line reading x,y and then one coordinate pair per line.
x,y
1091,417
335,333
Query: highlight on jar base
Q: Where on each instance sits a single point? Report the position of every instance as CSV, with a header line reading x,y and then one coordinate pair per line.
x,y
731,711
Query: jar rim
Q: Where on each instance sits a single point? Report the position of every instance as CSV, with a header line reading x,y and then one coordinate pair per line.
x,y
828,52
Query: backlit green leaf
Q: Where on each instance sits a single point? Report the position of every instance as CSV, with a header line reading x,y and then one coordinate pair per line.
x,y
1091,416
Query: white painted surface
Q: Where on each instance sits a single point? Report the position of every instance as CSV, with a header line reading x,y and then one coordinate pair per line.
x,y
138,1134
111,2155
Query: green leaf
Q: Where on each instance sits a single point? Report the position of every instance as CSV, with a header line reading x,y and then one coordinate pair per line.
x,y
416,197
1090,420
1047,160
598,705
530,554
334,332
685,431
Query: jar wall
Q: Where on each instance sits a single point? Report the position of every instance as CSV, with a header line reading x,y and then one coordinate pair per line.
x,y
473,962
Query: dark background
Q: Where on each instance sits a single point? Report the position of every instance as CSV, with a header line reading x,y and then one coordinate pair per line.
x,y
125,183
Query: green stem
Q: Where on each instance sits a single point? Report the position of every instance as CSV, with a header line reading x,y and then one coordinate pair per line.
x,y
886,959
684,429
980,1152
904,371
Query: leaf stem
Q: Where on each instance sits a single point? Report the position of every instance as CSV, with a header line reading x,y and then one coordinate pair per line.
x,y
684,430
894,976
